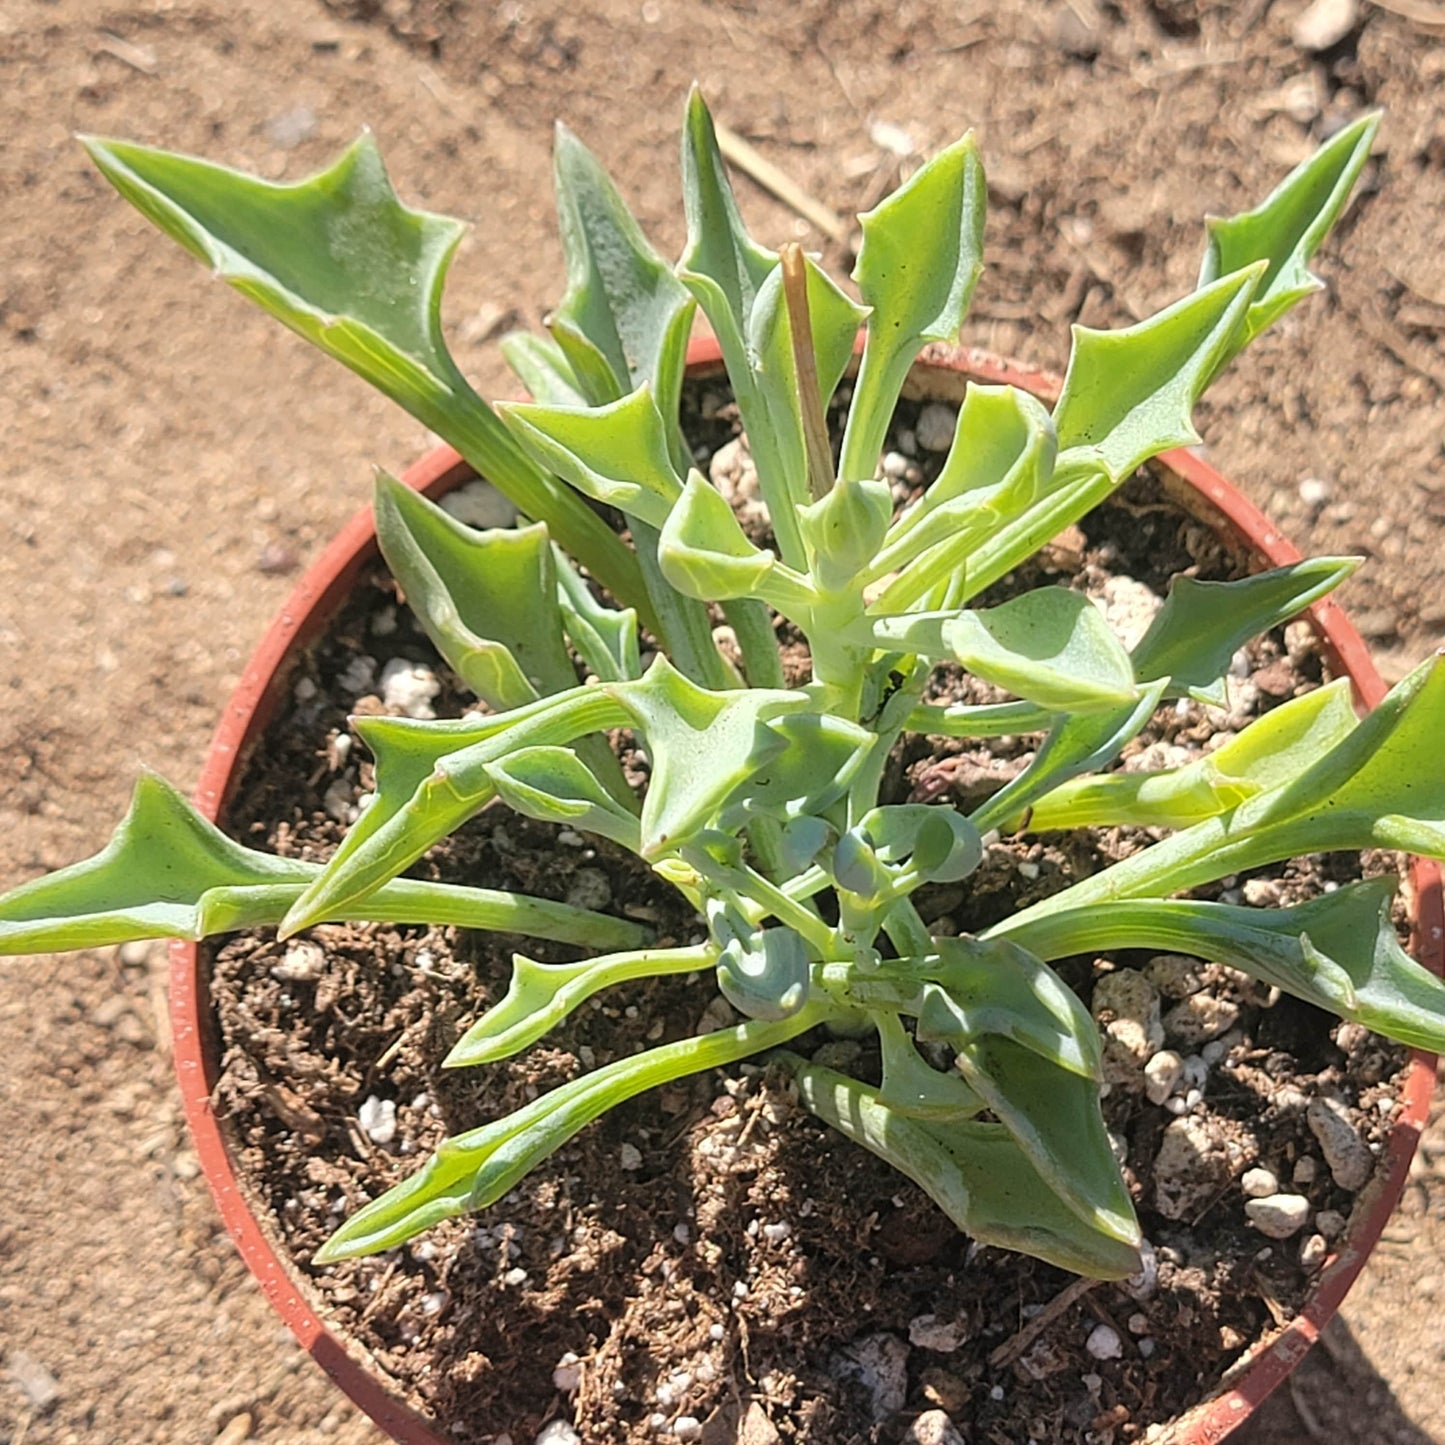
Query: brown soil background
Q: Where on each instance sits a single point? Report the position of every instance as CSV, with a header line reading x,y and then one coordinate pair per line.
x,y
170,452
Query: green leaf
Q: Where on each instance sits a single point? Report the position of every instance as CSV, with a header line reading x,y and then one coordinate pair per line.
x,y
975,1173
1339,952
1268,753
1286,229
843,531
605,638
915,1088
703,746
542,368
1050,646
721,265
1001,459
1054,1116
169,873
486,599
703,551
340,260
942,845
615,454
554,785
541,995
624,319
764,973
815,766
472,1170
1197,631
1128,395
430,779
921,256
1077,743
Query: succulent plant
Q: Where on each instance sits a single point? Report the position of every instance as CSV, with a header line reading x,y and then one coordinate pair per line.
x,y
763,803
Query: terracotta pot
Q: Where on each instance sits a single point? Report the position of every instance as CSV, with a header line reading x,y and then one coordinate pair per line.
x,y
942,374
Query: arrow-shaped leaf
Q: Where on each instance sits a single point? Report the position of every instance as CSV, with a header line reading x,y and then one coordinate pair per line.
x,y
921,257
340,260
553,785
1201,624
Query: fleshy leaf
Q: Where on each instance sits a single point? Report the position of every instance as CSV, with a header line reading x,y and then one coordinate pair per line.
x,y
1197,631
703,551
921,256
486,599
1001,459
1129,394
1076,743
974,1172
615,454
605,638
542,368
1339,951
169,873
816,765
541,995
1050,646
943,845
553,785
1286,229
764,975
703,745
472,1170
1268,753
340,260
624,319
843,531
914,1087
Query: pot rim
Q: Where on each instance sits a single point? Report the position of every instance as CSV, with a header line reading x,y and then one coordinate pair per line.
x,y
310,608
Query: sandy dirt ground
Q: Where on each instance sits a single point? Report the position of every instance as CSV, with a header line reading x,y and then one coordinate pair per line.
x,y
172,457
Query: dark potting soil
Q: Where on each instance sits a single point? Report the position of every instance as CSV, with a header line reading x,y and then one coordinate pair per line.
x,y
708,1261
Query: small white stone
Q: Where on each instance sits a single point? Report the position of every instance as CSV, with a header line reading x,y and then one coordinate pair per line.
x,y
567,1374
687,1427
515,1277
479,504
359,675
377,1118
681,1233
409,687
777,1233
557,1432
715,1333
1259,1183
1200,1017
1325,23
630,1157
740,1290
302,962
1144,1284
1104,1343
1161,1074
933,1427
1138,1323
895,466
1278,1216
1313,1251
936,426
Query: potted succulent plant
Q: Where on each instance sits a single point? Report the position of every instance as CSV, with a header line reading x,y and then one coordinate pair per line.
x,y
755,781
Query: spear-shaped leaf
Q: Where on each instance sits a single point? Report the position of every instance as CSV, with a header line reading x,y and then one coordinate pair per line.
x,y
1286,229
553,785
921,257
542,368
1129,394
541,995
1197,631
975,1173
605,637
1339,951
340,260
615,454
169,873
624,318
486,599
475,1169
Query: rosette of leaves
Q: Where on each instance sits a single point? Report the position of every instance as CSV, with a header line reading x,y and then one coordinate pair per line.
x,y
764,804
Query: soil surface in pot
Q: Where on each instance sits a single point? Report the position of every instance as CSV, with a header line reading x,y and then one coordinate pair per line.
x,y
709,1262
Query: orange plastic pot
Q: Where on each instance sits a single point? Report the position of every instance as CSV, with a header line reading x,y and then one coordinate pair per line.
x,y
942,373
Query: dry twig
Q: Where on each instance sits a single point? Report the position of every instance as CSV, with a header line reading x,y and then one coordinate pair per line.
x,y
773,179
